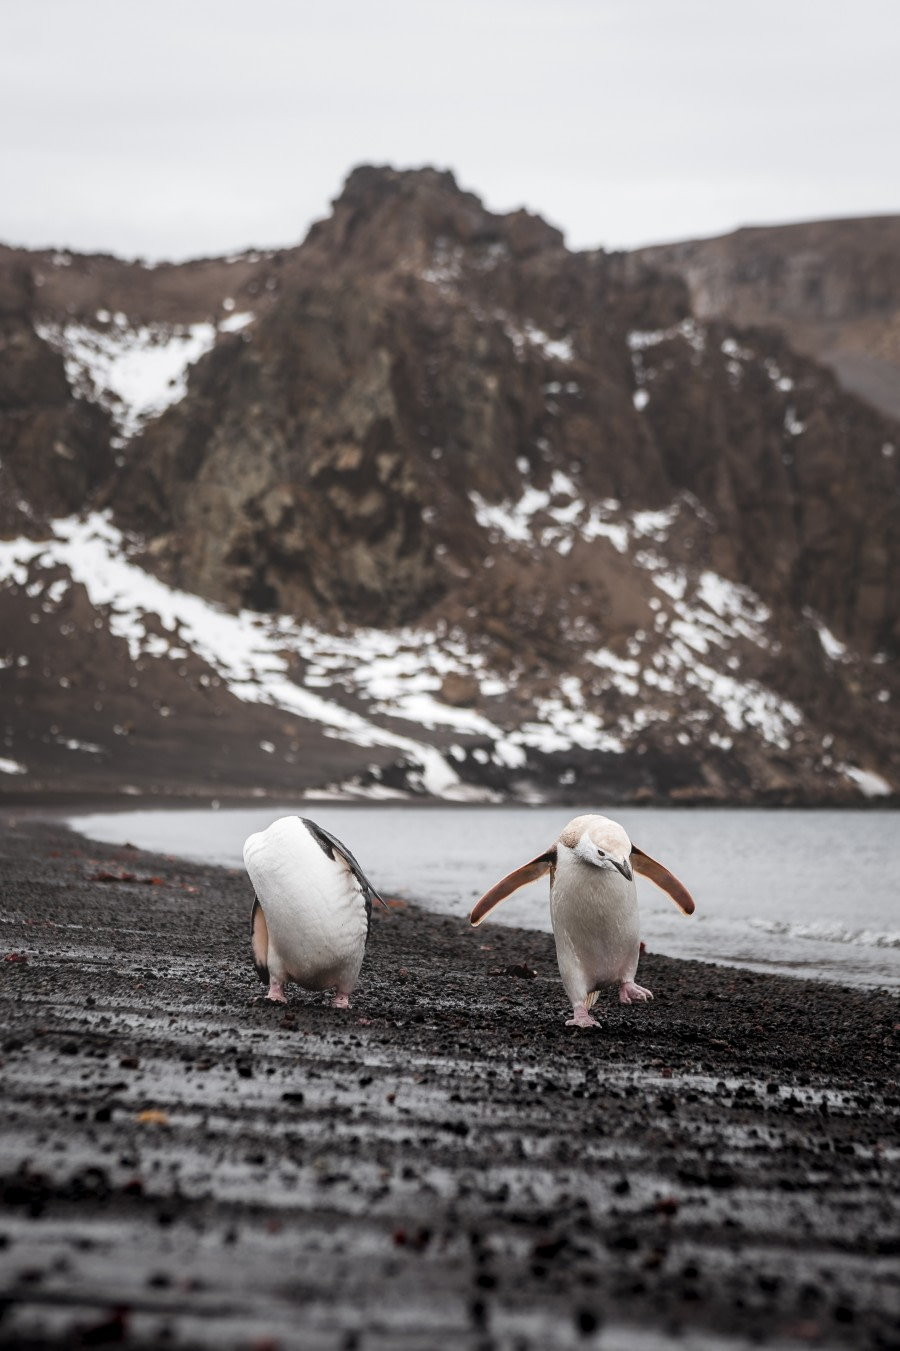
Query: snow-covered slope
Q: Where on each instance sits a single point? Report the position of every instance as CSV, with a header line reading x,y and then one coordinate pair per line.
x,y
387,689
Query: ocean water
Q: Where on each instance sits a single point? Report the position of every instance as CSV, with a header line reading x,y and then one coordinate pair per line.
x,y
805,893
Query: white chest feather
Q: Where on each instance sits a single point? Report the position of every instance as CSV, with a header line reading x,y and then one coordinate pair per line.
x,y
596,925
313,905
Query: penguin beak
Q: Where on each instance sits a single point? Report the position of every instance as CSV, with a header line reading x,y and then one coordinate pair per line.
x,y
624,868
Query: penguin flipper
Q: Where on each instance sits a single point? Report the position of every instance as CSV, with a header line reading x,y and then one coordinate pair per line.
x,y
662,878
520,877
259,941
331,845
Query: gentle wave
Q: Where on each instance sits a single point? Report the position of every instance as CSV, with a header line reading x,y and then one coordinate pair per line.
x,y
828,933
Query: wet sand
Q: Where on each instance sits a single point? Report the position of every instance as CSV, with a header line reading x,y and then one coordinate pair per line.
x,y
445,1165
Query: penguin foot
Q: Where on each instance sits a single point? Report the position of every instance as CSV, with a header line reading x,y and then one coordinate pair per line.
x,y
629,993
581,1018
276,992
341,1001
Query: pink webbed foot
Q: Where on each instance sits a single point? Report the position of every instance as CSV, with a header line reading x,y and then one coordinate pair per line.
x,y
341,1001
581,1018
276,992
629,993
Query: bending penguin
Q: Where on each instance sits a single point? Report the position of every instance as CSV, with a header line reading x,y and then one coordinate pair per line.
x,y
593,908
310,918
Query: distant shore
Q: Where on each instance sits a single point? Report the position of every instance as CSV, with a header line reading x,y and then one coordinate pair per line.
x,y
79,799
447,1165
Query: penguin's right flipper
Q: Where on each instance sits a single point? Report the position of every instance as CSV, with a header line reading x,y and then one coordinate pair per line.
x,y
520,877
259,941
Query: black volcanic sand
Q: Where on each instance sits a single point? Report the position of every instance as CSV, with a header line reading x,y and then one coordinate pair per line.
x,y
446,1164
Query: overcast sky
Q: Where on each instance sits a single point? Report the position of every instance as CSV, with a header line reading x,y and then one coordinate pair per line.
x,y
179,128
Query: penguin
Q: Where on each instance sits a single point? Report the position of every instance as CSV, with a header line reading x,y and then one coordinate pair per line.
x,y
593,908
312,909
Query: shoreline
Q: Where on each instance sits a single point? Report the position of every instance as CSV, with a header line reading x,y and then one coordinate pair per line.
x,y
58,800
855,951
445,1165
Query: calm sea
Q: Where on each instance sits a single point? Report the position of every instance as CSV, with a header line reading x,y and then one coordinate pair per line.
x,y
808,893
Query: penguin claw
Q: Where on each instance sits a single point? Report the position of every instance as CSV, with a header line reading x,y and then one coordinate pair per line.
x,y
629,993
276,992
341,1001
581,1018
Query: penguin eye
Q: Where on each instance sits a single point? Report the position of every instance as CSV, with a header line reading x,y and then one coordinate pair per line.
x,y
601,853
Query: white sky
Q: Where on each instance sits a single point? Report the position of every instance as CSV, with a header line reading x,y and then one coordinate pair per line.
x,y
179,128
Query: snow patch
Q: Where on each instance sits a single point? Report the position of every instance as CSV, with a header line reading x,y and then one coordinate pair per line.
x,y
72,745
867,781
740,607
783,383
235,322
446,265
656,524
595,527
133,372
746,704
510,519
734,351
831,646
640,340
250,653
622,673
529,335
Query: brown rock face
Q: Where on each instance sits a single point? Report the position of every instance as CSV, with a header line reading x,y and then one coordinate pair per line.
x,y
286,480
54,450
396,372
800,478
421,350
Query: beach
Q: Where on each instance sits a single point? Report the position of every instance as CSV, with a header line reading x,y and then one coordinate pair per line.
x,y
443,1165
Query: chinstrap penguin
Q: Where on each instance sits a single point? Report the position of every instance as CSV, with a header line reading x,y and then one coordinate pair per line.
x,y
310,919
593,908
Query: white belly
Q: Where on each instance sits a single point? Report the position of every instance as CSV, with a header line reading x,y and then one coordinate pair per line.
x,y
594,913
314,910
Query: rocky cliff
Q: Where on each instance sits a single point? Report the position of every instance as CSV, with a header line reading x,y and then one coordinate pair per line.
x,y
832,287
462,511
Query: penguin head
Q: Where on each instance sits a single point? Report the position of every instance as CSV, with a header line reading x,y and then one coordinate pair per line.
x,y
602,843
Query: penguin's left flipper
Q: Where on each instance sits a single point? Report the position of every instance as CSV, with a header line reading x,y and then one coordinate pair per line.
x,y
662,878
259,941
520,877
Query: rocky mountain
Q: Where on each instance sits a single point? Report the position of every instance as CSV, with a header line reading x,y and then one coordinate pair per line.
x,y
431,504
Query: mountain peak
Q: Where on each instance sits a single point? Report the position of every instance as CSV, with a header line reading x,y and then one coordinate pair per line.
x,y
371,181
383,213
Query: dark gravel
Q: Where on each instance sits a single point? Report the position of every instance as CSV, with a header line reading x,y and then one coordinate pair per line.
x,y
444,1166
